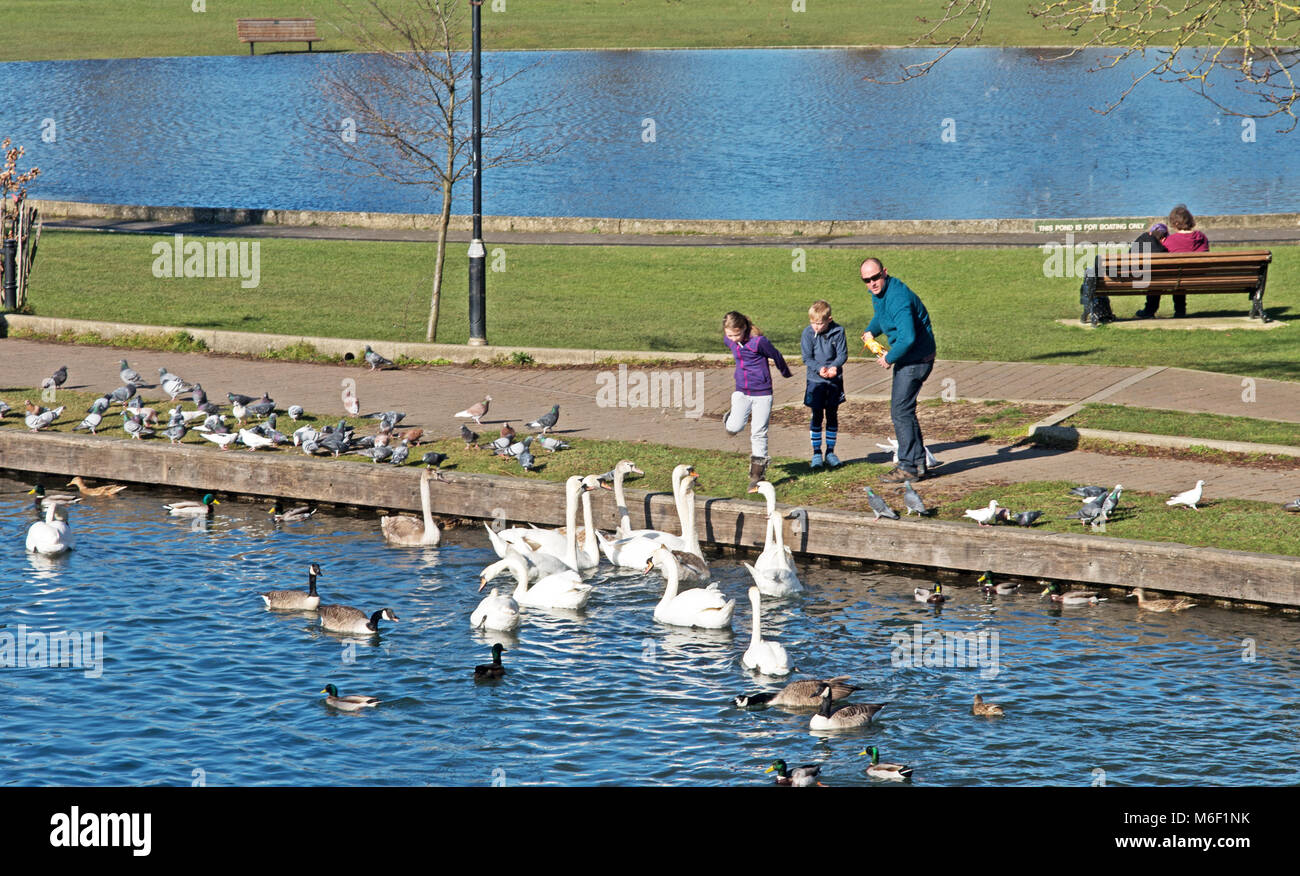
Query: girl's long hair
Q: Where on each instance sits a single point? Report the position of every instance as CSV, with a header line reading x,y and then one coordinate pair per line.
x,y
737,320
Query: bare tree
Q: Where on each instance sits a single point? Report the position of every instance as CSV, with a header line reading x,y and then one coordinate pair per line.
x,y
1251,42
402,112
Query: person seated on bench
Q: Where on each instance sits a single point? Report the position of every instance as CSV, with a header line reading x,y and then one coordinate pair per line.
x,y
1182,238
1149,241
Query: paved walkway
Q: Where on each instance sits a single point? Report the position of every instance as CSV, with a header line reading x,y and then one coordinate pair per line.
x,y
592,405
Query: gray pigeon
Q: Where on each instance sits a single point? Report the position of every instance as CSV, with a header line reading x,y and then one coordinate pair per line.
x,y
4,407
1026,518
374,360
1090,492
1108,504
129,374
546,422
295,412
526,461
1090,511
262,407
122,393
175,432
172,384
554,444
91,422
381,453
501,446
136,429
57,379
433,459
912,500
236,398
393,417
879,506
470,438
43,418
400,453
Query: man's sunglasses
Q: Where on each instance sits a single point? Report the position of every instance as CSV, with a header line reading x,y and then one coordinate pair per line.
x,y
874,277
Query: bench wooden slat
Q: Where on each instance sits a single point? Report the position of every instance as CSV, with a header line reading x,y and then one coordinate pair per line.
x,y
276,30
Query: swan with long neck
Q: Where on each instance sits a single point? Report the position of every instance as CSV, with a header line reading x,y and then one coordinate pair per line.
x,y
635,550
768,658
555,542
52,535
411,531
774,572
564,589
703,607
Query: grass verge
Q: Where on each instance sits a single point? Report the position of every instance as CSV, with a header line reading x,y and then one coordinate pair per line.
x,y
1120,418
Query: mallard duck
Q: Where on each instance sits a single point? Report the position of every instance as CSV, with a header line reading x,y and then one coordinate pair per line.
x,y
493,669
896,771
52,535
290,515
1160,604
411,531
703,607
767,657
105,490
1074,597
802,694
845,717
44,499
296,600
982,708
799,777
346,619
190,508
350,703
932,597
990,587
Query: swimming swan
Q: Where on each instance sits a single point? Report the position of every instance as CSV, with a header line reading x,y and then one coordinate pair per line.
x,y
774,572
769,658
703,607
404,529
52,535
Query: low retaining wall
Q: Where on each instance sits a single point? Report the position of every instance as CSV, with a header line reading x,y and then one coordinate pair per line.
x,y
1260,579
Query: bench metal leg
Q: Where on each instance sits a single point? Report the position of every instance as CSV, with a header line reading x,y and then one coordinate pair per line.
x,y
250,48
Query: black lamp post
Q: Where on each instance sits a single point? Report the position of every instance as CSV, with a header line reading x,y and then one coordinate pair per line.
x,y
477,253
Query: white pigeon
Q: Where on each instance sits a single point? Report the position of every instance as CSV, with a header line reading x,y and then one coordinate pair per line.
x,y
984,516
892,447
254,441
350,403
1189,498
221,439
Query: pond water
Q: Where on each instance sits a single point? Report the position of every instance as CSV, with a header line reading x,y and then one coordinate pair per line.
x,y
721,134
199,683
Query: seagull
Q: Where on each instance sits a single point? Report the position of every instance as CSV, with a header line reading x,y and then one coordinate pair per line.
x,y
985,516
912,500
1026,518
546,422
1189,498
172,384
374,360
57,379
295,412
130,375
476,412
879,507
470,438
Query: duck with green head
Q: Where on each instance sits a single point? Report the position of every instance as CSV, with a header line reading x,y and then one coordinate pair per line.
x,y
351,703
190,508
932,597
799,777
493,669
1073,597
990,587
896,771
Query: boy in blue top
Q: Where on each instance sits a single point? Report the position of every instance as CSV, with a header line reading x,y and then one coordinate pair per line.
x,y
901,316
824,353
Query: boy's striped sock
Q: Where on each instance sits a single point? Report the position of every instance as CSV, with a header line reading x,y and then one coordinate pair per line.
x,y
830,440
816,436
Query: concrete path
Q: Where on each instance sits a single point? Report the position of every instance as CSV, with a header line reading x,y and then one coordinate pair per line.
x,y
605,404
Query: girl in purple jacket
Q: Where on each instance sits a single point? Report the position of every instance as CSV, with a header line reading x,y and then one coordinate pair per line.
x,y
752,399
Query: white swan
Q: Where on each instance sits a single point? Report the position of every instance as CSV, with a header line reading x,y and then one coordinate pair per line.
x,y
703,607
496,612
561,590
555,541
411,531
540,564
52,535
775,573
634,550
769,658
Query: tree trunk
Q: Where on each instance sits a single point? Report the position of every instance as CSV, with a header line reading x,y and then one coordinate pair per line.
x,y
444,219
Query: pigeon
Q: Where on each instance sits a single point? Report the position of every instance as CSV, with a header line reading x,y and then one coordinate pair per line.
x,y
412,435
501,446
222,439
546,422
200,397
518,447
136,428
892,447
1293,505
374,360
175,432
295,412
254,441
476,412
1112,499
879,506
1026,518
433,459
130,375
1189,498
508,431
470,438
381,453
985,516
262,407
350,403
1090,512
400,452
43,418
57,379
239,409
1090,492
526,461
93,418
393,417
213,423
551,445
122,393
173,385
912,500
186,416
234,397
4,407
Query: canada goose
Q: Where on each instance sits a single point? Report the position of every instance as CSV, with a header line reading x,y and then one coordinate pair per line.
x,y
799,777
412,531
346,619
982,708
493,669
189,508
845,717
896,771
295,600
802,694
351,703
105,490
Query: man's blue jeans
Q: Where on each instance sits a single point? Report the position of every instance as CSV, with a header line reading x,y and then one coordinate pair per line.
x,y
902,410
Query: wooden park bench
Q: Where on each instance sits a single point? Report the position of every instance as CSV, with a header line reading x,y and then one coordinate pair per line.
x,y
276,30
1177,273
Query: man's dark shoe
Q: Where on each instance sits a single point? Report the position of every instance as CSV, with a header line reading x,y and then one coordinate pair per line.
x,y
900,474
1143,314
1180,314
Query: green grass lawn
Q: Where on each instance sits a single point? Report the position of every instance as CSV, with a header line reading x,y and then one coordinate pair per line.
x,y
51,29
985,304
1120,418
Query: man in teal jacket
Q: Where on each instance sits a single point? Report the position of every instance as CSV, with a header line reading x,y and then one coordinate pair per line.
x,y
901,316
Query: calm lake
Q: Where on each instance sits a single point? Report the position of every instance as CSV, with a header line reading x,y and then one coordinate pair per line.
x,y
722,134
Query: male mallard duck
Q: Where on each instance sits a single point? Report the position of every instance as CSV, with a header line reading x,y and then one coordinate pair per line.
x,y
189,508
990,587
291,515
296,600
44,499
933,597
799,777
896,771
982,708
346,619
350,703
1161,604
845,717
105,490
493,669
1074,597
802,694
